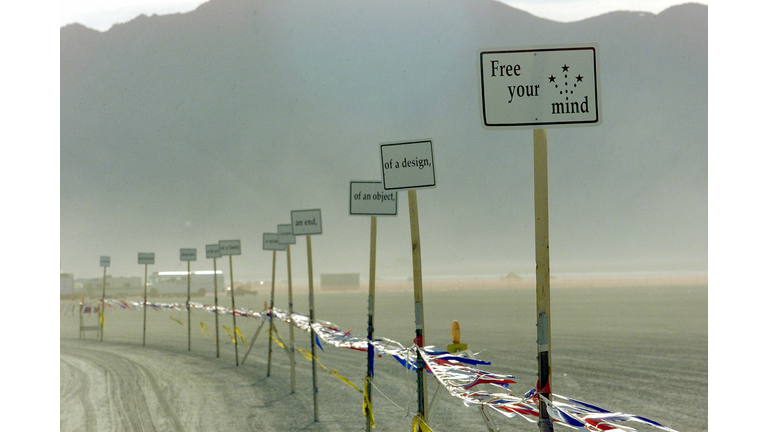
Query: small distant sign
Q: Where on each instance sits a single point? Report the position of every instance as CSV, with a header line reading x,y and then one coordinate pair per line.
x,y
270,242
306,222
540,87
212,251
229,247
104,261
407,165
146,257
369,198
285,234
188,254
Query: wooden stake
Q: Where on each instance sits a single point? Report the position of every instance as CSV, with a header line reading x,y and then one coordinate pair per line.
x,y
189,312
234,317
290,321
271,313
253,341
418,301
216,303
371,307
144,334
312,335
82,331
103,294
541,197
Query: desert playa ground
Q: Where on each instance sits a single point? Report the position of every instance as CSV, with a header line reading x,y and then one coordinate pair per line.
x,y
639,349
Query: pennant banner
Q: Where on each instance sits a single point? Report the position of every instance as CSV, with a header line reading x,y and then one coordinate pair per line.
x,y
457,372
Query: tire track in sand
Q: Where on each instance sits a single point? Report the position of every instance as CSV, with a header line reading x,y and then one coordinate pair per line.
x,y
132,392
74,395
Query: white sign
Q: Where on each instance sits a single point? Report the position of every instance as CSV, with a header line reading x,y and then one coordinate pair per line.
x,y
540,87
407,165
285,234
146,257
271,242
229,247
212,251
188,255
306,222
371,199
104,261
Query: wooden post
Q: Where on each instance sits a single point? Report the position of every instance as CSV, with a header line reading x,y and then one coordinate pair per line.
x,y
189,312
418,301
290,322
271,314
312,334
101,315
216,303
371,308
144,333
541,197
82,332
234,317
253,338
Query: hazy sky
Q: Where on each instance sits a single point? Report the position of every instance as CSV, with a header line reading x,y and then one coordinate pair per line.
x,y
173,151
737,232
101,15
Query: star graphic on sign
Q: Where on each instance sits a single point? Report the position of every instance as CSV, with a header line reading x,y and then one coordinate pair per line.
x,y
565,68
551,78
579,78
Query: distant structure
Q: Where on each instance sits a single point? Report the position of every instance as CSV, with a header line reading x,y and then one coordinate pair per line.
x,y
67,287
174,283
115,286
340,281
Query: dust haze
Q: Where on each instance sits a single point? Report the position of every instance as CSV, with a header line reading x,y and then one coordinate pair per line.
x,y
178,131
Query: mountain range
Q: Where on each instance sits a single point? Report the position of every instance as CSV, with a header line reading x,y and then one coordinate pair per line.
x,y
181,130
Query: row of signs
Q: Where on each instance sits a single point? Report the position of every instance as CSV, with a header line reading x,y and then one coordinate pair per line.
x,y
216,250
303,222
522,88
404,165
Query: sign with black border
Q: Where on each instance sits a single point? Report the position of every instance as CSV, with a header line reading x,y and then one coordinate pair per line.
x,y
407,165
369,198
212,251
540,87
188,254
285,234
146,257
229,247
306,222
270,242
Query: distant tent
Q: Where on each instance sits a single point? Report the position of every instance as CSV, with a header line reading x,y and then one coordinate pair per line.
x,y
512,275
